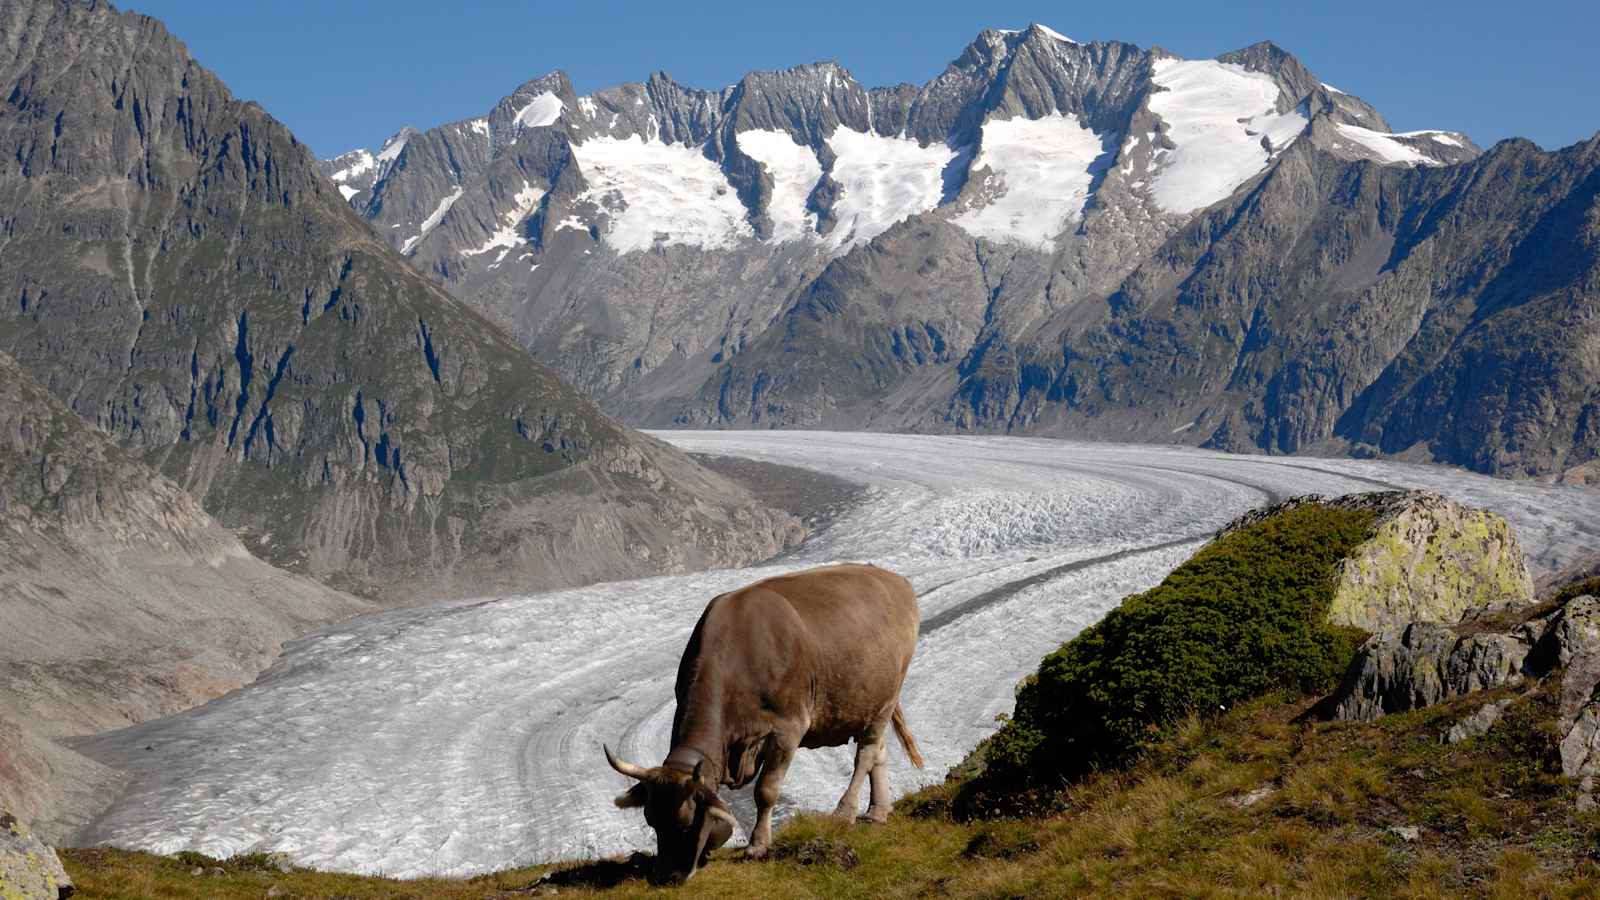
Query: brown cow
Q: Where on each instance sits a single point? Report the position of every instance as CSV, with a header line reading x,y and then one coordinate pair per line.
x,y
810,659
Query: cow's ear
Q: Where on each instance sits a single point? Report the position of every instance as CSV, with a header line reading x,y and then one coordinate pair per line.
x,y
700,771
633,797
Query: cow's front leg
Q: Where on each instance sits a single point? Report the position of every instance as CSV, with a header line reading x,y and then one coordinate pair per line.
x,y
773,767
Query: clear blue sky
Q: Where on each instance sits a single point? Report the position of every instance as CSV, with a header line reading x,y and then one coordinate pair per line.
x,y
346,73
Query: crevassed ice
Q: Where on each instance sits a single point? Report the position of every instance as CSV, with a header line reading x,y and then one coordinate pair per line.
x,y
660,193
507,235
883,180
1389,150
794,170
542,110
1040,171
433,219
1203,105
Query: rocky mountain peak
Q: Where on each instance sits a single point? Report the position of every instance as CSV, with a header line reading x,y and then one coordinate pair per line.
x,y
1038,192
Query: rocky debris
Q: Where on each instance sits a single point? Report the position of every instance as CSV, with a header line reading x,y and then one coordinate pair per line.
x,y
1407,833
1478,723
1251,798
29,870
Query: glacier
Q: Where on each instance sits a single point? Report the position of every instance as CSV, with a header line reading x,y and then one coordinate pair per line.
x,y
465,736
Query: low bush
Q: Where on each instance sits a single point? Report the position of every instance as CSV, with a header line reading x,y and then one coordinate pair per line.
x,y
1246,616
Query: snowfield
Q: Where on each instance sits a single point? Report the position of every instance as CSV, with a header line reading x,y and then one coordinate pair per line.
x,y
660,193
465,737
1039,175
1216,114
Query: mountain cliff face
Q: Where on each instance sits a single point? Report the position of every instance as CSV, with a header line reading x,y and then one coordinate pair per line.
x,y
120,601
175,269
1051,237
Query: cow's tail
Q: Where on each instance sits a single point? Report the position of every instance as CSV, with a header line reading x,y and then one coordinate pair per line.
x,y
903,732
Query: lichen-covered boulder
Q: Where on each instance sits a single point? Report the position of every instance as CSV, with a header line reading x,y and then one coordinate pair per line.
x,y
1429,559
29,870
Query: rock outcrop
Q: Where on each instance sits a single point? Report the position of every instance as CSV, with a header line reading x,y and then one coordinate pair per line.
x,y
29,870
1421,664
1424,663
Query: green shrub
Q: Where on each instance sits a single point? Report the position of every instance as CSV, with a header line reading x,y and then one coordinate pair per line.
x,y
1245,616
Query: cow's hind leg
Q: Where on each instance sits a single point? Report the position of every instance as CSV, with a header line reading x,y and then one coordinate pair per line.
x,y
774,765
869,751
878,811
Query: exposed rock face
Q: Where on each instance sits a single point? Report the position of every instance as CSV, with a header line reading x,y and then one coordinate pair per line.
x,y
29,870
178,272
1064,238
1478,723
120,600
1423,663
1430,559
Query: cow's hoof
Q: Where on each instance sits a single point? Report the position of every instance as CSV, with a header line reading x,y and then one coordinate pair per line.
x,y
875,818
755,852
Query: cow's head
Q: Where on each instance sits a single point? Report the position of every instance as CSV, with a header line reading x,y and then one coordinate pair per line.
x,y
689,819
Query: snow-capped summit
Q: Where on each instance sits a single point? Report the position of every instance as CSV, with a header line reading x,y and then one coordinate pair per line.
x,y
802,249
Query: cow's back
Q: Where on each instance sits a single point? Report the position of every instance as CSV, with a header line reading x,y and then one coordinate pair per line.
x,y
847,630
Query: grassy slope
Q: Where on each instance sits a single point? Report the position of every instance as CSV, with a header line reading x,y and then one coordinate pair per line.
x,y
1495,815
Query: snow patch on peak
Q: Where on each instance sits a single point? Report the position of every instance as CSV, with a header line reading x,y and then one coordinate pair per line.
x,y
659,194
508,235
1388,150
347,191
1216,115
481,126
794,171
361,162
1332,88
393,146
542,110
589,108
883,180
433,218
1040,172
1052,33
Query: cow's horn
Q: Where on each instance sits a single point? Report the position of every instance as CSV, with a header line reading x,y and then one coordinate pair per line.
x,y
717,812
626,768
